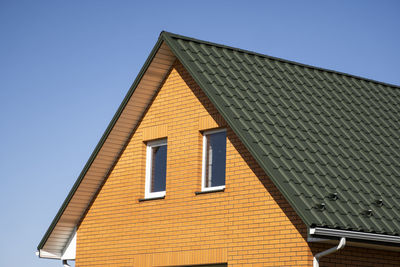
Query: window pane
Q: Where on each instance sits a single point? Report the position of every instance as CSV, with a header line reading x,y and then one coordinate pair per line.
x,y
215,159
159,168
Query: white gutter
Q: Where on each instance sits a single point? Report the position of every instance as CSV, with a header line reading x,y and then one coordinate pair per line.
x,y
317,256
355,235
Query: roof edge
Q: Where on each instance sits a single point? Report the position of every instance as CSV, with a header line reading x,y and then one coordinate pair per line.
x,y
101,142
174,35
388,239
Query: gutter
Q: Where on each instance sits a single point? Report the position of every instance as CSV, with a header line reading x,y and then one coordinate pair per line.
x,y
319,234
317,231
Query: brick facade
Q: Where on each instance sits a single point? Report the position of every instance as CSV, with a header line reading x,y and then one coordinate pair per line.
x,y
249,224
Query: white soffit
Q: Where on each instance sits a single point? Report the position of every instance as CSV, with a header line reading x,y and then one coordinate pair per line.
x,y
70,250
124,125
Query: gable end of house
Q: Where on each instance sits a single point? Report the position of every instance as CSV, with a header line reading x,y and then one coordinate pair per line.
x,y
294,119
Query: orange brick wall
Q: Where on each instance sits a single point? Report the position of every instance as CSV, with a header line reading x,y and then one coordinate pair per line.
x,y
250,224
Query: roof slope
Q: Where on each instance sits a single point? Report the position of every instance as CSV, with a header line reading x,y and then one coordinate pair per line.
x,y
329,141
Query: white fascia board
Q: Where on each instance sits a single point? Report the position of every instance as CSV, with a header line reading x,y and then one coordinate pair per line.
x,y
48,255
354,235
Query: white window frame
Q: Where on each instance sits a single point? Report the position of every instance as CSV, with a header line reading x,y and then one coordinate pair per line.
x,y
204,163
149,160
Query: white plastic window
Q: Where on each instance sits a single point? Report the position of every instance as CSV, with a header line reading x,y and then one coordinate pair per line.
x,y
156,168
214,160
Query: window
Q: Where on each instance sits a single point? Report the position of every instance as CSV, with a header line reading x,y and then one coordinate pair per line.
x,y
156,168
214,160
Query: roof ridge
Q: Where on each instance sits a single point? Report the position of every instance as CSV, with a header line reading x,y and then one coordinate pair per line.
x,y
178,36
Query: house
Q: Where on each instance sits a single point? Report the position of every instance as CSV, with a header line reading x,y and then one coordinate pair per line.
x,y
219,156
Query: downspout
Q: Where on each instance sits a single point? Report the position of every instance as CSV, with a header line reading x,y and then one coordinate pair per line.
x,y
318,256
65,263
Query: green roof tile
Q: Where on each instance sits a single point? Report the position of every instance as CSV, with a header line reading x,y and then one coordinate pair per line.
x,y
317,133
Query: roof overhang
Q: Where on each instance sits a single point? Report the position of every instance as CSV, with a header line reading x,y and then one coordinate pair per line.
x,y
59,234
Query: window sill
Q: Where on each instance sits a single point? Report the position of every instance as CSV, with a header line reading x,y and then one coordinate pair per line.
x,y
150,198
210,191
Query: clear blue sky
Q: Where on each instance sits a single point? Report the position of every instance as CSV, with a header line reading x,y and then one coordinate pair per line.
x,y
65,66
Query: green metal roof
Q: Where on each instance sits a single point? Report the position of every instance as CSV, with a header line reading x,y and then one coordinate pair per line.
x,y
329,141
